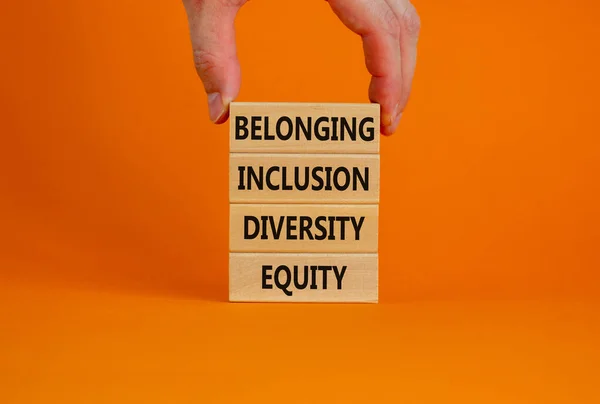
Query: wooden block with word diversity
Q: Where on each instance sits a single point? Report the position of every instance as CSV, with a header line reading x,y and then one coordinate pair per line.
x,y
303,228
303,178
304,128
341,278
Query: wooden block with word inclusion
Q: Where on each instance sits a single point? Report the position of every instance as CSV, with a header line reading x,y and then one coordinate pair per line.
x,y
303,178
340,278
257,127
303,228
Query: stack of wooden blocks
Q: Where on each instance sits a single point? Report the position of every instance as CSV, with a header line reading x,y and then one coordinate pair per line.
x,y
304,202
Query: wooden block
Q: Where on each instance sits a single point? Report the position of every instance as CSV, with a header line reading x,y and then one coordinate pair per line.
x,y
303,228
341,278
303,178
304,128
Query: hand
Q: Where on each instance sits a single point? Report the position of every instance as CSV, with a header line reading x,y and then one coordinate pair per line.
x,y
389,29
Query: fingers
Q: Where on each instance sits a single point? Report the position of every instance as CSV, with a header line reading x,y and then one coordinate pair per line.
x,y
212,33
383,60
410,25
389,29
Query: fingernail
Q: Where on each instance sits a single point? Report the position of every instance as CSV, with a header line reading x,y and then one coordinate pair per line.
x,y
394,121
216,108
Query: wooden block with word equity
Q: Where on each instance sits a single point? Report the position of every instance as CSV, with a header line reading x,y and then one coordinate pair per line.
x,y
257,127
341,278
303,228
303,178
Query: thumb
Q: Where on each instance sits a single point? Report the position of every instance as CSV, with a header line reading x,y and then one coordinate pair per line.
x,y
212,33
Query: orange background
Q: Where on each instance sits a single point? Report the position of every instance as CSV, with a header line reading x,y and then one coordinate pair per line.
x,y
114,210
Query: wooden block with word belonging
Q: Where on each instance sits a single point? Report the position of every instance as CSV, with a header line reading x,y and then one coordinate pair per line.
x,y
304,128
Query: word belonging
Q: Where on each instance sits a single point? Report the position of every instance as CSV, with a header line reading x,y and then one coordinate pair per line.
x,y
318,128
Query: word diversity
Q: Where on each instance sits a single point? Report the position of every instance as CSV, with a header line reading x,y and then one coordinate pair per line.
x,y
304,202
